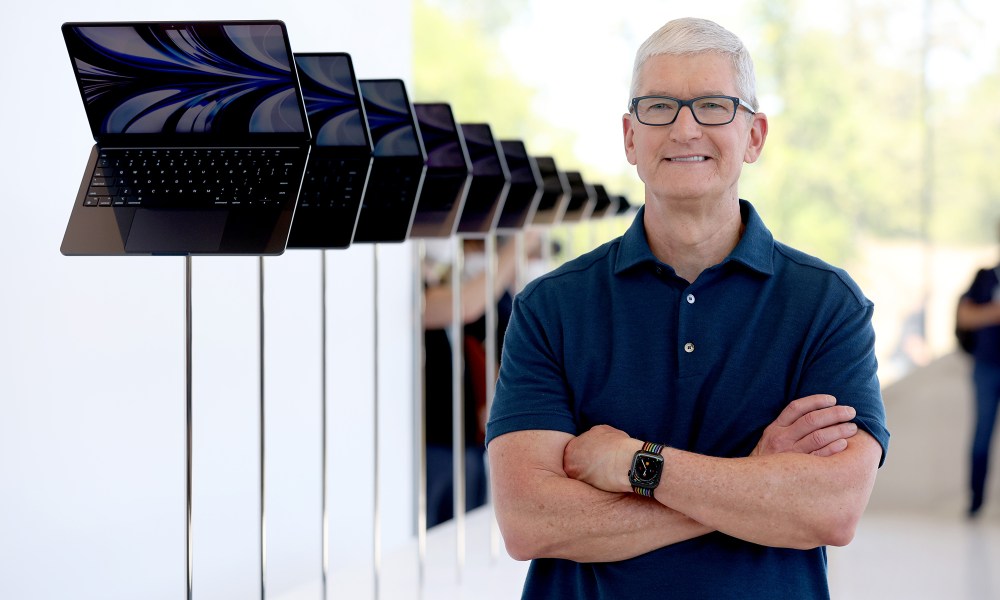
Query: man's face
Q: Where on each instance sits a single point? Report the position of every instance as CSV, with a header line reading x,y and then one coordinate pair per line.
x,y
686,161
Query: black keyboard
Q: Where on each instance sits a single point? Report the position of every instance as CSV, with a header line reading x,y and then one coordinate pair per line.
x,y
335,183
195,177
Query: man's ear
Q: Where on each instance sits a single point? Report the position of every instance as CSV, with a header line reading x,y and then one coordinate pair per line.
x,y
628,132
758,134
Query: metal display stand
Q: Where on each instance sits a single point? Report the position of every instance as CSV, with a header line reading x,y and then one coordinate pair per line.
x,y
491,351
376,522
188,331
324,484
458,403
263,520
420,409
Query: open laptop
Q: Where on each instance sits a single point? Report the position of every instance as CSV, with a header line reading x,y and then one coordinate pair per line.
x,y
490,181
449,172
398,167
202,138
555,192
525,187
581,199
606,205
624,207
341,156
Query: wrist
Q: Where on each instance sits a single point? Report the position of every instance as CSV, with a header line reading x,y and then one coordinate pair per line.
x,y
646,469
623,463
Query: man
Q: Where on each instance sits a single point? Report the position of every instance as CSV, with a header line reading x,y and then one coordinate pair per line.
x,y
979,312
691,410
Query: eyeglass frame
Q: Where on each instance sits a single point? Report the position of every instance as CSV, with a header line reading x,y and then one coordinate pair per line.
x,y
737,103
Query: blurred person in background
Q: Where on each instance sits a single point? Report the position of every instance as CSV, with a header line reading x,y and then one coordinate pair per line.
x,y
979,313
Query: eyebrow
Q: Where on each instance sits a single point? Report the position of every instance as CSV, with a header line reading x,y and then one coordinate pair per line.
x,y
705,93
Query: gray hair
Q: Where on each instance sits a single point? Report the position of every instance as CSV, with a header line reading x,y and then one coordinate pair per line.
x,y
696,36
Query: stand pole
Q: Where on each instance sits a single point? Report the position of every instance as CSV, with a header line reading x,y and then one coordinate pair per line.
x,y
376,526
324,515
190,429
491,342
420,408
263,521
458,403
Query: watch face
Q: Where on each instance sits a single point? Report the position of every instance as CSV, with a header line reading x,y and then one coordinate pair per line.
x,y
646,468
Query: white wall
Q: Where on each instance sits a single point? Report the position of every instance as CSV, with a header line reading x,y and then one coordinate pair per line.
x,y
92,362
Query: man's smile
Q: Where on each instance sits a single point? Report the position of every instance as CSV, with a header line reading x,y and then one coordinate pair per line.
x,y
687,158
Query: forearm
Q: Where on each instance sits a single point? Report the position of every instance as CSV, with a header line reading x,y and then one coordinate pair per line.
x,y
544,514
784,500
976,316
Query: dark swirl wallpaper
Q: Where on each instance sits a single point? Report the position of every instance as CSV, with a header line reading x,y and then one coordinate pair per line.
x,y
389,118
332,101
441,136
194,78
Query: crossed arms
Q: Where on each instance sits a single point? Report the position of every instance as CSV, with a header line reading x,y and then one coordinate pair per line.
x,y
806,484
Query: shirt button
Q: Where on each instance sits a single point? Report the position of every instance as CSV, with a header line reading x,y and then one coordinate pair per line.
x,y
689,347
690,298
659,270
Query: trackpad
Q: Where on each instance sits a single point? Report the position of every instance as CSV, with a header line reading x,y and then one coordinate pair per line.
x,y
176,231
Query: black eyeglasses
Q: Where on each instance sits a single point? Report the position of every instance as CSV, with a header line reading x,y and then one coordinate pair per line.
x,y
707,110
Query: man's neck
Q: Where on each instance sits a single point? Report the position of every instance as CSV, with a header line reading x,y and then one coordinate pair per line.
x,y
694,237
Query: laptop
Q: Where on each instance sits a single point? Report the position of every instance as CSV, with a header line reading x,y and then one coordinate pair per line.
x,y
606,204
581,199
398,167
555,192
624,207
341,155
490,181
449,172
201,138
525,187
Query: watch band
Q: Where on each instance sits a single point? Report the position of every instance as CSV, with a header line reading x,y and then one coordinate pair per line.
x,y
655,449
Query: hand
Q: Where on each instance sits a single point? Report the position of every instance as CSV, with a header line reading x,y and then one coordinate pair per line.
x,y
811,425
601,457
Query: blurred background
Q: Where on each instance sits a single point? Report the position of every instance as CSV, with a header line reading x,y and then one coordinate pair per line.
x,y
884,122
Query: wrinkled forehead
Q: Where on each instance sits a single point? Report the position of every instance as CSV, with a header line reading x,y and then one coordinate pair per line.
x,y
687,75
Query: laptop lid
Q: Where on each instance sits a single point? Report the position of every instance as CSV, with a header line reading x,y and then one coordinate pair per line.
x,y
167,86
525,187
199,83
624,207
449,172
398,166
340,161
581,199
490,180
555,192
606,204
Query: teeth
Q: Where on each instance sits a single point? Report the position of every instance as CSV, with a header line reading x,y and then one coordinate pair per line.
x,y
688,159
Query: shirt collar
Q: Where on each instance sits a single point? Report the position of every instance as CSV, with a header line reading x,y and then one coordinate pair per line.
x,y
754,249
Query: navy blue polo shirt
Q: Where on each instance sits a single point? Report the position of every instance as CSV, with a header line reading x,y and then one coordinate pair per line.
x,y
616,337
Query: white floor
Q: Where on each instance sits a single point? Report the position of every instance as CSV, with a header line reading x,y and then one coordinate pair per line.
x,y
914,541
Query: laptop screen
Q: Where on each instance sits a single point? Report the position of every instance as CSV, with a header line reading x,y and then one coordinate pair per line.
x,y
442,139
483,151
207,82
390,118
332,100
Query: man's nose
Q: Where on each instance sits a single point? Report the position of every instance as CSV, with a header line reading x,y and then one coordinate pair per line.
x,y
685,126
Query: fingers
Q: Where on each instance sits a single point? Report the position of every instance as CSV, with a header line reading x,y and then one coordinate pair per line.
x,y
809,425
827,439
821,419
803,406
832,448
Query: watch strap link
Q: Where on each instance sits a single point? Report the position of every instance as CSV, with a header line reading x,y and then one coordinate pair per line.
x,y
656,449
